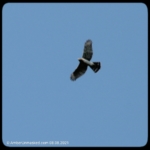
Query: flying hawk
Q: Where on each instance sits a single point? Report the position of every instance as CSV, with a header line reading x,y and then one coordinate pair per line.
x,y
85,62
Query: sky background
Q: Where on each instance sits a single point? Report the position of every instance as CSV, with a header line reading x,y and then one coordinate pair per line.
x,y
40,47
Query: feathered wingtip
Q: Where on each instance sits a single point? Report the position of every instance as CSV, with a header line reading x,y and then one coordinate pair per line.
x,y
88,42
72,77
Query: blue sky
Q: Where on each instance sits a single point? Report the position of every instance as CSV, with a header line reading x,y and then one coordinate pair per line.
x,y
40,47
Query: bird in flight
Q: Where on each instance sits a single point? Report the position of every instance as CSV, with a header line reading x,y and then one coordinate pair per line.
x,y
84,62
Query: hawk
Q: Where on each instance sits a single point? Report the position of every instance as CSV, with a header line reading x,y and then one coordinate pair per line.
x,y
84,62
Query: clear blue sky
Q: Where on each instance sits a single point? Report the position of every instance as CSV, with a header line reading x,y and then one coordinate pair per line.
x,y
40,47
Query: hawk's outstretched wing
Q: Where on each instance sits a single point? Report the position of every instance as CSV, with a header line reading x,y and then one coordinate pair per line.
x,y
82,67
88,52
80,70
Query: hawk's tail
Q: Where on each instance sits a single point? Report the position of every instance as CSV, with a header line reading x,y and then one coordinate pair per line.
x,y
96,66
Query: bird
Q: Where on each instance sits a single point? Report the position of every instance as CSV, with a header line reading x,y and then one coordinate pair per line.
x,y
84,62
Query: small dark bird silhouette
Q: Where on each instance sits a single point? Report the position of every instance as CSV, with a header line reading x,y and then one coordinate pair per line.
x,y
85,62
